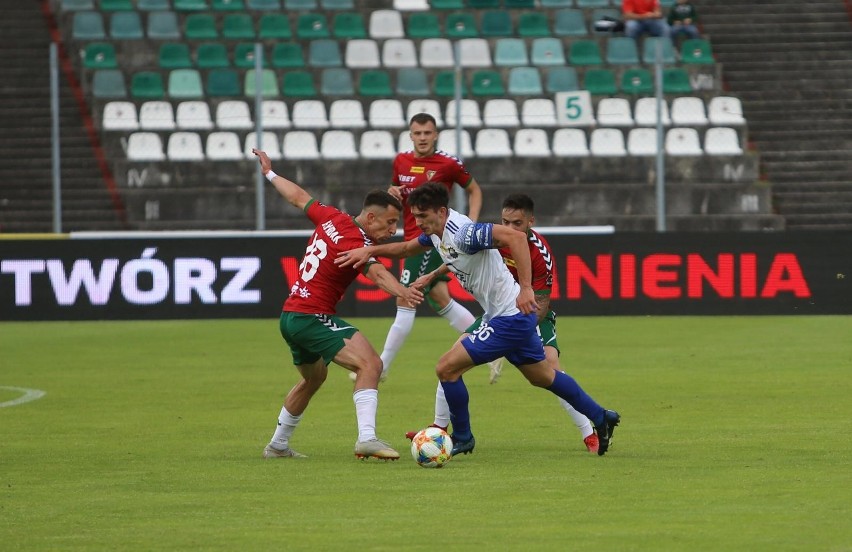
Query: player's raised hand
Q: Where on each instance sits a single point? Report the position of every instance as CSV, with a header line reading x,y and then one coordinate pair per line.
x,y
422,281
396,191
354,257
526,301
265,163
412,296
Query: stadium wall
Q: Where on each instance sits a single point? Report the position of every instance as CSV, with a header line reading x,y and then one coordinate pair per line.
x,y
247,275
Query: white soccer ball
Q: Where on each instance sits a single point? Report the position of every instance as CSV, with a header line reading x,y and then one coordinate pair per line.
x,y
432,447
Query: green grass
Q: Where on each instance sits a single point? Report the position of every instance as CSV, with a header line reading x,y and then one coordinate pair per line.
x,y
735,436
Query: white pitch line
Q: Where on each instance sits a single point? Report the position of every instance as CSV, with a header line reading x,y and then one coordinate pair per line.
x,y
28,395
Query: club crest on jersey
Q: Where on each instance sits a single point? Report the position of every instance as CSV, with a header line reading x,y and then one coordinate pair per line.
x,y
417,170
449,251
431,174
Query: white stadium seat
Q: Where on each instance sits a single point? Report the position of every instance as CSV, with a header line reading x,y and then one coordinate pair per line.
x,y
185,146
309,114
683,141
193,115
300,144
362,54
493,142
399,52
338,144
120,116
377,144
233,114
386,24
642,141
145,146
570,142
387,114
469,114
614,112
688,111
500,112
474,52
532,142
224,146
346,114
725,111
270,145
645,112
607,142
538,112
436,52
447,143
722,141
156,115
274,114
422,105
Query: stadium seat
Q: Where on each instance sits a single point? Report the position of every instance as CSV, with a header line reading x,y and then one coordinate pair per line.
x,y
725,111
470,116
163,25
300,144
309,114
274,114
324,52
410,5
570,22
557,3
399,52
637,80
116,5
642,141
295,5
524,81
510,52
108,84
244,56
185,83
145,146
119,115
688,111
683,141
722,141
76,5
532,142
585,52
156,115
375,82
561,79
600,82
424,105
228,5
447,143
233,115
269,144
570,142
592,3
614,112
147,85
336,81
346,114
649,50
212,55
153,5
696,51
193,115
386,24
676,81
445,84
223,82
338,144
224,146
99,55
190,5
348,25
487,83
621,50
496,23
645,112
298,84
174,55
377,144
312,25
436,52
519,4
404,143
126,26
87,25
474,52
184,146
274,26
287,55
493,142
200,26
538,112
533,24
500,113
482,4
238,26
460,25
548,51
412,81
337,4
424,25
607,142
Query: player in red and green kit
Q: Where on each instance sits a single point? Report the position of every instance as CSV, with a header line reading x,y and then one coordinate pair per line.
x,y
309,325
426,163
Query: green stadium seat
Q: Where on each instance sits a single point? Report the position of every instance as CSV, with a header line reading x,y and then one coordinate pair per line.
x,y
228,5
212,55
483,4
147,85
116,5
337,4
348,25
696,51
621,50
548,51
185,84
446,4
336,81
519,4
163,25
649,50
557,3
268,83
569,22
99,55
153,5
200,26
274,26
592,3
190,5
487,83
298,84
223,82
637,81
108,84
424,25
239,26
244,56
324,53
496,23
676,81
412,81
561,79
375,83
444,84
312,25
533,24
525,81
77,5
87,25
600,82
585,52
126,26
174,55
667,3
510,52
293,5
460,25
287,55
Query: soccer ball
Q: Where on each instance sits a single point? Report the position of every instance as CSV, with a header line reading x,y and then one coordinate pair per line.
x,y
431,447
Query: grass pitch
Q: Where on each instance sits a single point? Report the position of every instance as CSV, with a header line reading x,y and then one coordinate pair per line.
x,y
735,435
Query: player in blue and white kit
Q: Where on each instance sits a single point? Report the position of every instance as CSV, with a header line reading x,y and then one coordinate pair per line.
x,y
508,329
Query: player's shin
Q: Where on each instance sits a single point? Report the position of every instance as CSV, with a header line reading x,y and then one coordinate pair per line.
x,y
566,388
399,330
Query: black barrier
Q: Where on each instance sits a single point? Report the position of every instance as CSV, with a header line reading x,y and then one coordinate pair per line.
x,y
248,276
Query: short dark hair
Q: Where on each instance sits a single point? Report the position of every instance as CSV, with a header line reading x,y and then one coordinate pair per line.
x,y
519,202
381,198
422,119
431,195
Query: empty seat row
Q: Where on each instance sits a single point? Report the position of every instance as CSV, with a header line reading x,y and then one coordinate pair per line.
x,y
204,5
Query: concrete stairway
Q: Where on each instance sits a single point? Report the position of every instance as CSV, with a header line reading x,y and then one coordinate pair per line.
x,y
791,64
25,126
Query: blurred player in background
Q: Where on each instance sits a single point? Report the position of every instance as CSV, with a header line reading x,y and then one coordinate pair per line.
x,y
308,324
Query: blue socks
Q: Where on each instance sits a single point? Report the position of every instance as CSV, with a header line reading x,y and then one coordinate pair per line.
x,y
457,399
565,387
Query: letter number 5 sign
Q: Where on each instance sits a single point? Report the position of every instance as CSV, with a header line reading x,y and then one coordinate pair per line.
x,y
574,108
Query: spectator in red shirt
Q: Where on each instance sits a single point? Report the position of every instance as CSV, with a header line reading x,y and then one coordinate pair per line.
x,y
643,16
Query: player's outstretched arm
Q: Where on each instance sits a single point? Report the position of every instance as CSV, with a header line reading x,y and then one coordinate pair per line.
x,y
386,281
474,200
426,279
291,191
504,236
357,258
